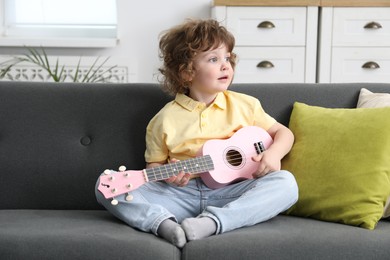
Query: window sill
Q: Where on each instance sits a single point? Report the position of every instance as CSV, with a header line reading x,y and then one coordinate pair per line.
x,y
59,42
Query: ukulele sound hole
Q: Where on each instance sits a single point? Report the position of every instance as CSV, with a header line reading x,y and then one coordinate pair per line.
x,y
234,158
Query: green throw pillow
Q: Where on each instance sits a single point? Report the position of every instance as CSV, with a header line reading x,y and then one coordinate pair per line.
x,y
368,99
341,161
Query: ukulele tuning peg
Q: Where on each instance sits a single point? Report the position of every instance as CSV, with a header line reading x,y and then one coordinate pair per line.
x,y
122,168
129,197
107,172
114,202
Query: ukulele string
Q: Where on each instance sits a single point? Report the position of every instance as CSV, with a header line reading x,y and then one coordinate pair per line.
x,y
199,164
165,174
168,170
240,156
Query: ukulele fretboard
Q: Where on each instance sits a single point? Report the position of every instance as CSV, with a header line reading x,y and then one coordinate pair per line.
x,y
194,165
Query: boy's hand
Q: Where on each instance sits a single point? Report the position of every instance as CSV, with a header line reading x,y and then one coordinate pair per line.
x,y
270,160
267,164
181,179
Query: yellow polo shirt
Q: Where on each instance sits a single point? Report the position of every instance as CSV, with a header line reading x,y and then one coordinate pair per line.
x,y
183,125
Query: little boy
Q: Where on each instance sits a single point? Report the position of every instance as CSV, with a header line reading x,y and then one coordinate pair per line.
x,y
198,68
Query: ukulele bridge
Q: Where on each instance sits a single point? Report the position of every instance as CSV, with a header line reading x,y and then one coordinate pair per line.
x,y
259,146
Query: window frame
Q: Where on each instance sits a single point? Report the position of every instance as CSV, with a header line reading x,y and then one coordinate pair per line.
x,y
82,37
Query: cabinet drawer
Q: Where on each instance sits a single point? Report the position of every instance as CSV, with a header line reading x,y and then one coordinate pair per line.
x,y
361,26
348,65
267,26
254,64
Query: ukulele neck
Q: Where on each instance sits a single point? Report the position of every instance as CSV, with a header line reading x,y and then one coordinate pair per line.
x,y
193,165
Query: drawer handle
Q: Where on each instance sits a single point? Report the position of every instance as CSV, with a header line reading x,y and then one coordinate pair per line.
x,y
373,25
265,65
266,25
371,65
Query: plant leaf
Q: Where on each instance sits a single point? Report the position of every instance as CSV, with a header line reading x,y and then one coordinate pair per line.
x,y
95,73
76,74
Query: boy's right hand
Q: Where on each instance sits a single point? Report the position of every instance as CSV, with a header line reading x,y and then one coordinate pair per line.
x,y
179,180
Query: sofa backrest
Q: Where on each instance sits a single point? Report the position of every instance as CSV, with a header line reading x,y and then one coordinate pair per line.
x,y
56,138
278,99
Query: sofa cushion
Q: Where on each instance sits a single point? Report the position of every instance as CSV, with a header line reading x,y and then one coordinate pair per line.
x,y
76,234
340,161
368,99
288,237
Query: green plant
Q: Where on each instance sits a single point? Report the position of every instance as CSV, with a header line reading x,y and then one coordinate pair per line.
x,y
95,72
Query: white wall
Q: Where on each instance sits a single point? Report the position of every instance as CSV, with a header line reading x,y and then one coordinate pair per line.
x,y
139,23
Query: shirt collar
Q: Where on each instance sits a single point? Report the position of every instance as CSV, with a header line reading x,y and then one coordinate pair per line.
x,y
190,104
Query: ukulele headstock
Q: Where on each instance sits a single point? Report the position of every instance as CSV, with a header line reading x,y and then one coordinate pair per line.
x,y
114,183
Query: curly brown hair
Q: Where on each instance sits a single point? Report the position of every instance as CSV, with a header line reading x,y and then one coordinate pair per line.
x,y
179,46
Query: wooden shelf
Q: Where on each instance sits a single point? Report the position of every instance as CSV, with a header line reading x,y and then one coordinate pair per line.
x,y
329,3
355,3
267,2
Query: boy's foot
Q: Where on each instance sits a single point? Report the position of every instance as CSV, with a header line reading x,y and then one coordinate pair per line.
x,y
171,231
198,228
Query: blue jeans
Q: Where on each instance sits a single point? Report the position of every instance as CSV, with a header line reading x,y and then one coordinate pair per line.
x,y
237,205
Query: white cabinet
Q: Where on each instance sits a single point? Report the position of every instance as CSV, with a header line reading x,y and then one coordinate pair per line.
x,y
280,44
273,44
354,44
270,64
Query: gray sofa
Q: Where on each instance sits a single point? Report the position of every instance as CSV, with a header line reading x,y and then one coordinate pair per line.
x,y
55,140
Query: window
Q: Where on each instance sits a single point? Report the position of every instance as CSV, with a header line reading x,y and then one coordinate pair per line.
x,y
59,19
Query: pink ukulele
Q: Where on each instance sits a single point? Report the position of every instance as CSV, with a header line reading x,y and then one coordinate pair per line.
x,y
221,162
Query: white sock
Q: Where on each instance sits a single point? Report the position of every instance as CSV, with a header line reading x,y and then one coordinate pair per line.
x,y
198,228
171,231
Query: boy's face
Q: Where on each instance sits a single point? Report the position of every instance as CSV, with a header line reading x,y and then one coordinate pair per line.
x,y
213,72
